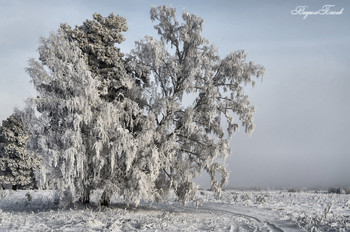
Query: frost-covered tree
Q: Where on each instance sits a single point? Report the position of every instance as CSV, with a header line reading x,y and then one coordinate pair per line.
x,y
117,81
85,142
61,118
99,124
16,165
184,65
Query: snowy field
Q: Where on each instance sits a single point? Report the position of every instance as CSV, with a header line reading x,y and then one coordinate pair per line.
x,y
236,211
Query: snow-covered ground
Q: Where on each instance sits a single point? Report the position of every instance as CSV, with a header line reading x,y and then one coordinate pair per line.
x,y
235,211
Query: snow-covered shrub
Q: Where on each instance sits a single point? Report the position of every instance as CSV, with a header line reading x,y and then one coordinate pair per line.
x,y
29,196
339,190
293,190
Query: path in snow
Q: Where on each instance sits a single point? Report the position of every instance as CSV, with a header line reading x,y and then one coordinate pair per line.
x,y
241,218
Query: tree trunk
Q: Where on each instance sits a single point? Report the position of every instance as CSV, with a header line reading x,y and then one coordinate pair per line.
x,y
85,197
106,198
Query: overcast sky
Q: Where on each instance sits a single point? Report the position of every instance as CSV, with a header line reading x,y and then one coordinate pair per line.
x,y
302,135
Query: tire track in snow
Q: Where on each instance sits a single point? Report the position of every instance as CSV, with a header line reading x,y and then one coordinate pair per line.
x,y
257,217
268,224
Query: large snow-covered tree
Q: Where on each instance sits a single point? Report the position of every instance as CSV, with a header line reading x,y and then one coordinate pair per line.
x,y
16,165
193,136
99,123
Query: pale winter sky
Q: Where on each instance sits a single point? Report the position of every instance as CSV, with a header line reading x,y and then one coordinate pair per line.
x,y
302,135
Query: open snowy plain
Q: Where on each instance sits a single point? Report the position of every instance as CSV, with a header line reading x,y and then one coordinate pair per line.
x,y
235,211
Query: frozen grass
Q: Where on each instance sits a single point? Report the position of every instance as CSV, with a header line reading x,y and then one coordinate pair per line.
x,y
313,211
235,211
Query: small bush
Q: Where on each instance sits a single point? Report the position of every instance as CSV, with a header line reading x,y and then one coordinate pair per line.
x,y
334,190
293,190
29,197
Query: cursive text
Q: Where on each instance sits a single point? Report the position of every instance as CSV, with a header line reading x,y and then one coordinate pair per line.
x,y
325,10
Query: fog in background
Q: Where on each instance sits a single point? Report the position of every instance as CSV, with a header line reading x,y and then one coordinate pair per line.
x,y
302,106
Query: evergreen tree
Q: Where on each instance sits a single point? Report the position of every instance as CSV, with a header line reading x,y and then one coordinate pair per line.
x,y
16,166
97,40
